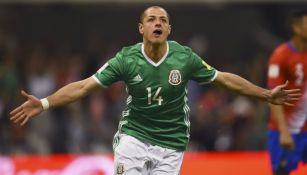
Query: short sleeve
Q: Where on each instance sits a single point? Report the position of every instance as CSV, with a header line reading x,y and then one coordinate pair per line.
x,y
276,70
111,72
202,72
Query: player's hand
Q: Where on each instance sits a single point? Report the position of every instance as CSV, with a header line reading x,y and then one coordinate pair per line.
x,y
27,110
286,141
281,96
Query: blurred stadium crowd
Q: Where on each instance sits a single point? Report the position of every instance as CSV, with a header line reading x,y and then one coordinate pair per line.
x,y
45,46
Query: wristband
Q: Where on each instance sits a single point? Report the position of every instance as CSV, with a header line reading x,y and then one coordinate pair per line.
x,y
45,103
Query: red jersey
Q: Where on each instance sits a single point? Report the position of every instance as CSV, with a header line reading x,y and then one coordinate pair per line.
x,y
287,63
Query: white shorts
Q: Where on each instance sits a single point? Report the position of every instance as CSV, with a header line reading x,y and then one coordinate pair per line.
x,y
135,157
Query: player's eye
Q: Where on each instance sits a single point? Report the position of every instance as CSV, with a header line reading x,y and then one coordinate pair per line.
x,y
150,19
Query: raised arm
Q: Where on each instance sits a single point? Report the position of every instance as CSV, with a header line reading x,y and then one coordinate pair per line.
x,y
67,94
277,96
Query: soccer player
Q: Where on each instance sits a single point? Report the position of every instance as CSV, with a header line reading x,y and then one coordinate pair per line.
x,y
288,126
154,129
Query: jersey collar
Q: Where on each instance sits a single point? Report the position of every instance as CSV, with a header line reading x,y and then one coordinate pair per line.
x,y
291,47
161,60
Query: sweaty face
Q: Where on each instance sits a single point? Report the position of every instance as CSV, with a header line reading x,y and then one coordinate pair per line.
x,y
155,26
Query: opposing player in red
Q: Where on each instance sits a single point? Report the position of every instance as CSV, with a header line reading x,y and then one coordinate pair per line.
x,y
288,124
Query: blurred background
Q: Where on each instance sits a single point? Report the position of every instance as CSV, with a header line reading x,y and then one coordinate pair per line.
x,y
47,44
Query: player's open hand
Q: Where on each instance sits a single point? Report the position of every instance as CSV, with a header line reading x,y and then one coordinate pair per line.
x,y
281,96
27,110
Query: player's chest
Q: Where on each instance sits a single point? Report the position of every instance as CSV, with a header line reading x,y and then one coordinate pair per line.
x,y
167,78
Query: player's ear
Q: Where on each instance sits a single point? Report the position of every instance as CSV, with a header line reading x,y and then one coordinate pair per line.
x,y
141,28
296,29
169,29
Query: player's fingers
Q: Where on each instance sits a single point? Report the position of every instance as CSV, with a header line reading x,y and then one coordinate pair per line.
x,y
295,95
288,104
24,121
17,115
291,91
293,99
19,118
16,110
12,118
23,93
284,85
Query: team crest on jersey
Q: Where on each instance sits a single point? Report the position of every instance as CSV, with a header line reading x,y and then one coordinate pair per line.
x,y
174,77
120,169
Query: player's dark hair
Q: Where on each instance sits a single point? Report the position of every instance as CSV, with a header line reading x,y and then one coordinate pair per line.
x,y
296,17
142,16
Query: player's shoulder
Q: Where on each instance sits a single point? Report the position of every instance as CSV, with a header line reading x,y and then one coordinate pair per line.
x,y
282,50
176,47
281,53
132,49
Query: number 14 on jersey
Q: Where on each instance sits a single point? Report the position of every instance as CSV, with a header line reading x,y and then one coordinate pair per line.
x,y
156,97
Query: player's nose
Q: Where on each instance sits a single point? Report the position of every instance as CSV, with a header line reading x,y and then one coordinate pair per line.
x,y
158,24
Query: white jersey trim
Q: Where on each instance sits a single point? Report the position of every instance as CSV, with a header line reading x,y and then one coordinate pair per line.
x,y
150,60
186,110
96,79
212,79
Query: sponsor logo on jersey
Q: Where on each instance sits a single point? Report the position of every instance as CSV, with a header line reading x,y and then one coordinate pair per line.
x,y
120,169
174,77
137,78
273,71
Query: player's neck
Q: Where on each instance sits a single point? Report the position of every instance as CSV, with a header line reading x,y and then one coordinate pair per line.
x,y
155,51
299,44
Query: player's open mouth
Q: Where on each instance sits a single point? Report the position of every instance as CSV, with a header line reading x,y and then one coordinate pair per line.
x,y
157,32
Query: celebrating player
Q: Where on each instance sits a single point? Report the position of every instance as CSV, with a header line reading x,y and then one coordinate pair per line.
x,y
154,129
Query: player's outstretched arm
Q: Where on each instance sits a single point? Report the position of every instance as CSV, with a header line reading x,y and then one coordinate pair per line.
x,y
67,94
278,96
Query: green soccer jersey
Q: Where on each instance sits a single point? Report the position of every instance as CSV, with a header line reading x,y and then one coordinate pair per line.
x,y
157,109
